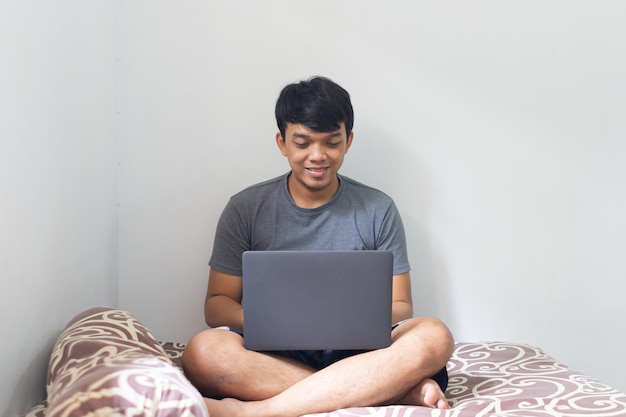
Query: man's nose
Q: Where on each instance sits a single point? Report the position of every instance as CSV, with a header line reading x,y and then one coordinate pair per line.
x,y
317,152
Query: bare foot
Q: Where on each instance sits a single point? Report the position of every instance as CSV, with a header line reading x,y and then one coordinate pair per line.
x,y
427,394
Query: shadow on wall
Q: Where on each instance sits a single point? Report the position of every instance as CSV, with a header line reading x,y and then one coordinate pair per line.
x,y
33,379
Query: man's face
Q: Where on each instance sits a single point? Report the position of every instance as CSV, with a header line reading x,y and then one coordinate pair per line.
x,y
314,157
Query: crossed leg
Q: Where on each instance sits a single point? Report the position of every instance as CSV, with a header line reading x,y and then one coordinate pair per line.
x,y
216,362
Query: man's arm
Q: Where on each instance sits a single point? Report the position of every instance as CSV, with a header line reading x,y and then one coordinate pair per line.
x,y
402,302
222,306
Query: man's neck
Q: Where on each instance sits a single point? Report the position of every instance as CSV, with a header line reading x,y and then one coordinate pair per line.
x,y
308,198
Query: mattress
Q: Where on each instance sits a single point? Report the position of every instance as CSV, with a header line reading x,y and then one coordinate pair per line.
x,y
493,379
502,379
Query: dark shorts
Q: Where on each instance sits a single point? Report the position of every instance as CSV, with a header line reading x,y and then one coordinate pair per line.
x,y
319,359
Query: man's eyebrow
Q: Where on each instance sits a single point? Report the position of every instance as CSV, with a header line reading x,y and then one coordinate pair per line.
x,y
334,134
300,135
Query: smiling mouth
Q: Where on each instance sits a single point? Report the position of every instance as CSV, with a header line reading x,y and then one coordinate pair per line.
x,y
317,172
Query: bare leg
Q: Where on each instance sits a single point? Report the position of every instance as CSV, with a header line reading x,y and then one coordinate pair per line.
x,y
427,394
217,363
420,348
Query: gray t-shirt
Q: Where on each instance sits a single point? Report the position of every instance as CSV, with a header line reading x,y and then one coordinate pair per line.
x,y
264,217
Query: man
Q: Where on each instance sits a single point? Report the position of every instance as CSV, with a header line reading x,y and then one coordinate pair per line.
x,y
312,208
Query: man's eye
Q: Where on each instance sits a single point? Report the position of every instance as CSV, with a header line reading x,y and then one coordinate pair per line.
x,y
333,144
301,145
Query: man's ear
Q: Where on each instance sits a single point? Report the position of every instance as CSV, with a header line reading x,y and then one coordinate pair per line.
x,y
349,141
280,141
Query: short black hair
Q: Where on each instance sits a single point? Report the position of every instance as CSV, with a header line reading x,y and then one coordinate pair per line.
x,y
318,103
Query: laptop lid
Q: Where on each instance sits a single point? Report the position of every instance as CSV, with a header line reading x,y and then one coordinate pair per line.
x,y
299,300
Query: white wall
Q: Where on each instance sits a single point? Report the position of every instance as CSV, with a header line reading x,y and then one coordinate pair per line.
x,y
58,226
498,127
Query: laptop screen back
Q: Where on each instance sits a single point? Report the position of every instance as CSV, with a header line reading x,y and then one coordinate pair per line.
x,y
299,300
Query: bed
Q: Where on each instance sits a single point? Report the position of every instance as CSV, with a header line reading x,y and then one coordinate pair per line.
x,y
486,378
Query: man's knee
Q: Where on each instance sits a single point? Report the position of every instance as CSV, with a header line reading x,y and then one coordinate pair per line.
x,y
193,354
203,357
428,331
441,333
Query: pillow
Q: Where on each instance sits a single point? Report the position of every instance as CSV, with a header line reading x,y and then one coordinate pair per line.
x,y
107,363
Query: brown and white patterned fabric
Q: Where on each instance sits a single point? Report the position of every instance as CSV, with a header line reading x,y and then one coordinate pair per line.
x,y
505,380
486,380
510,380
106,363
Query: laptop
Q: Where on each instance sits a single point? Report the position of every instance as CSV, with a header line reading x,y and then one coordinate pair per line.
x,y
300,300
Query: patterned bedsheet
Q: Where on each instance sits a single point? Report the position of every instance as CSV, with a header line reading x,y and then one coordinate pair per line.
x,y
495,379
503,379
